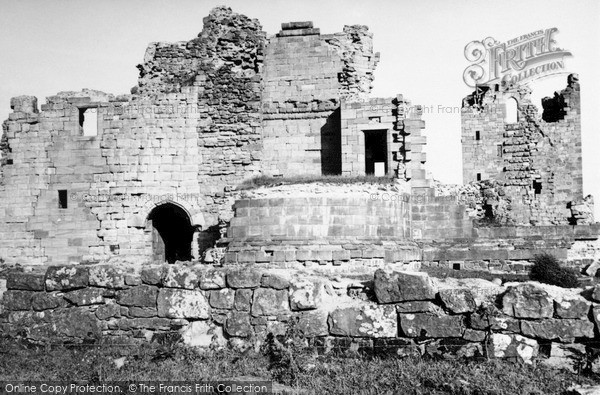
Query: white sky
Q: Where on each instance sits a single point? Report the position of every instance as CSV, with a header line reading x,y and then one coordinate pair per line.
x,y
51,46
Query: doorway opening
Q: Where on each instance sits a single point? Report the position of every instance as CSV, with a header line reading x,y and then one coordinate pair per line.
x,y
172,233
376,152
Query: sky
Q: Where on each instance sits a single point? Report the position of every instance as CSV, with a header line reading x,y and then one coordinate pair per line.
x,y
57,45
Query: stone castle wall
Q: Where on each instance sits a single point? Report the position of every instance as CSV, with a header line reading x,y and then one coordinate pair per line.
x,y
537,158
385,312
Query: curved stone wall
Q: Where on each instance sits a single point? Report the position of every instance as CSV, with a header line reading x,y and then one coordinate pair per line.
x,y
321,229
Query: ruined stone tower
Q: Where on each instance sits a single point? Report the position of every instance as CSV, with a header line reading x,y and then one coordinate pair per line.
x,y
535,158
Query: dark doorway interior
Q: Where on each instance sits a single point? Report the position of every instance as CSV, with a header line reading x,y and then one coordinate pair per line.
x,y
375,150
172,233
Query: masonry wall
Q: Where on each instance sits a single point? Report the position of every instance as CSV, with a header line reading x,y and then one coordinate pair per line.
x,y
306,75
536,159
186,136
386,312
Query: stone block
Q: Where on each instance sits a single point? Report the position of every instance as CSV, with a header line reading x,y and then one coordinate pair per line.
x,y
107,311
182,303
142,312
527,301
25,281
417,306
152,275
140,296
313,323
85,297
513,346
238,324
47,301
247,278
400,286
17,300
458,301
306,294
268,301
106,276
62,278
274,281
577,308
364,321
176,276
243,299
432,325
222,299
212,279
563,330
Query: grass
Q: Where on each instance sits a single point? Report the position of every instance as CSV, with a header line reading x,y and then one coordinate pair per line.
x,y
263,181
317,375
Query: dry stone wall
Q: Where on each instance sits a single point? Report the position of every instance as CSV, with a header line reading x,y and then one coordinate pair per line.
x,y
403,313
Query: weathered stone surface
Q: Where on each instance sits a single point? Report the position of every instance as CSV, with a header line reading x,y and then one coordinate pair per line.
x,y
473,335
182,303
571,357
527,301
132,279
246,278
62,278
243,299
313,323
46,301
576,389
106,276
140,296
107,311
238,324
364,321
176,276
212,279
222,299
17,300
432,325
85,296
152,275
268,301
142,312
417,306
596,293
494,322
458,301
274,281
25,281
306,294
400,286
572,308
63,324
203,334
513,346
557,329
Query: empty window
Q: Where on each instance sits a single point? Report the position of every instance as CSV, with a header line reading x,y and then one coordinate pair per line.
x,y
62,198
477,135
511,111
500,150
537,187
478,176
88,121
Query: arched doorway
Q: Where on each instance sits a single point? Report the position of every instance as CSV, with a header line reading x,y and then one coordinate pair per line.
x,y
172,233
